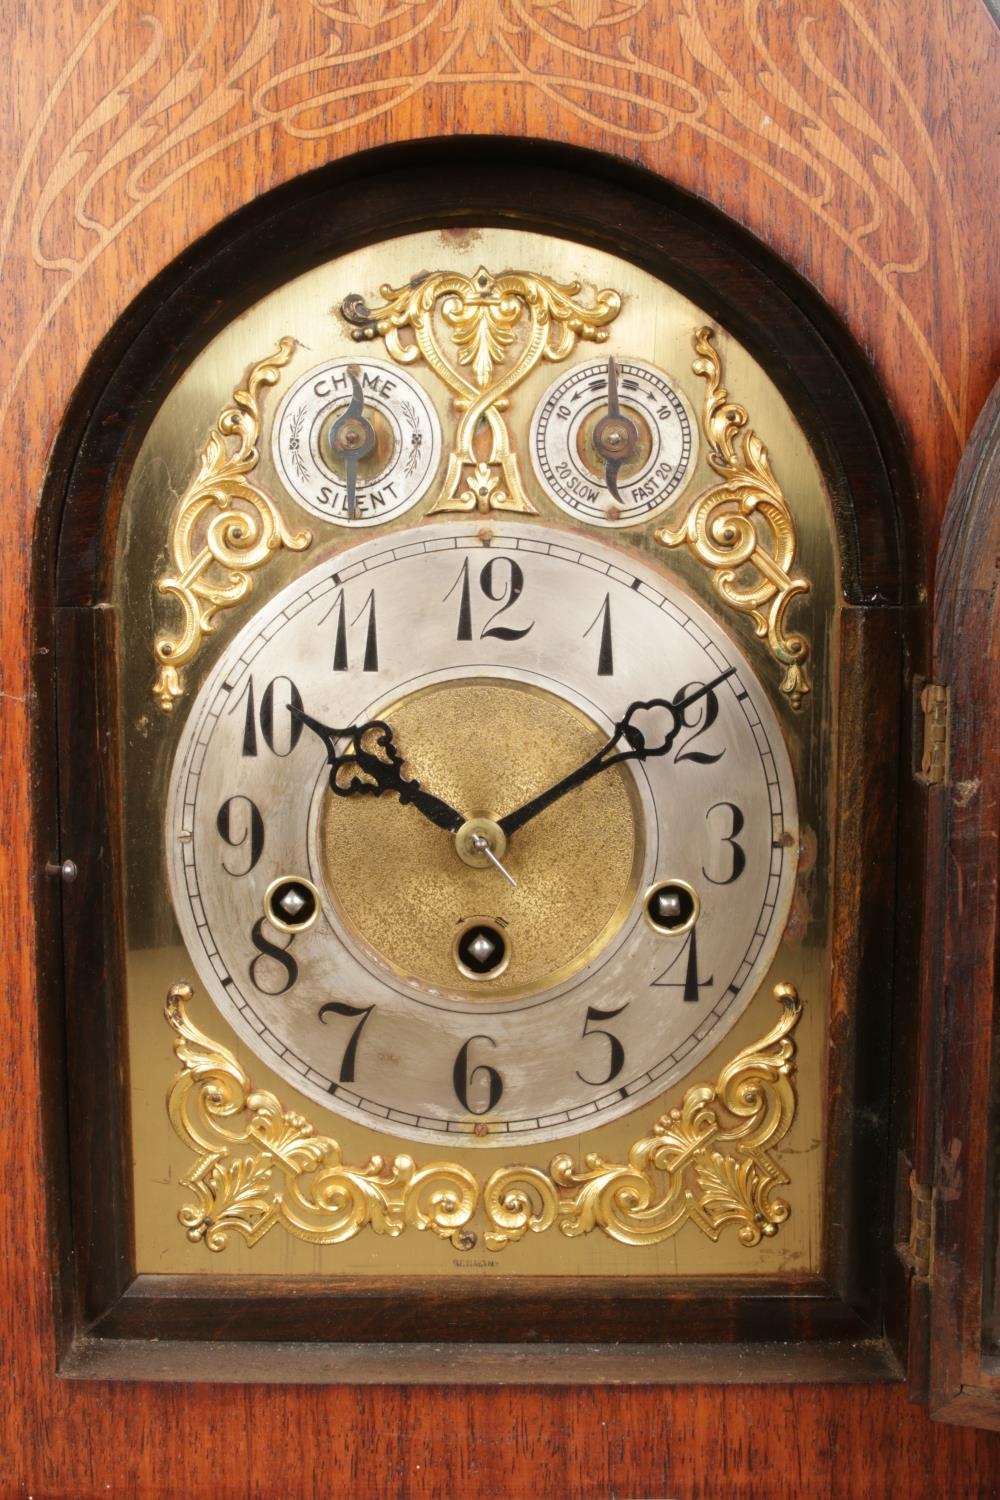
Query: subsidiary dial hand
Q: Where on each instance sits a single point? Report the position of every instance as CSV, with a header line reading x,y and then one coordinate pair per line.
x,y
615,437
372,765
352,437
609,755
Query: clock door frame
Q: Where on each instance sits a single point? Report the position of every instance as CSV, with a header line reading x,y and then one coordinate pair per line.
x,y
958,1297
846,1324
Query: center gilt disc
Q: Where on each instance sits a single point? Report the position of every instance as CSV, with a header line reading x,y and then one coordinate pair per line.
x,y
487,747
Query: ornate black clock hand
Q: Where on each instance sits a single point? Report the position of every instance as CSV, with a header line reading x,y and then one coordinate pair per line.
x,y
609,756
352,438
615,437
373,765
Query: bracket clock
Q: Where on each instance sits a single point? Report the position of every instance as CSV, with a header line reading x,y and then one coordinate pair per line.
x,y
484,632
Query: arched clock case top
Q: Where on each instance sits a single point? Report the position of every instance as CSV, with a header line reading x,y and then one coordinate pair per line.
x,y
827,1315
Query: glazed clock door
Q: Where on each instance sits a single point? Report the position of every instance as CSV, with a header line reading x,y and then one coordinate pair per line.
x,y
962,1209
489,676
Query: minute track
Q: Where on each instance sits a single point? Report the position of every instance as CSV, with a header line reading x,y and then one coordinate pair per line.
x,y
538,1032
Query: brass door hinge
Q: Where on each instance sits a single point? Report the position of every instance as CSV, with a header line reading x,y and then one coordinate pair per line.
x,y
935,705
918,1250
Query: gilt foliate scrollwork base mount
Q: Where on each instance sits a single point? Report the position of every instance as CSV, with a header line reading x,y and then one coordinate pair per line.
x,y
708,1161
742,528
225,528
481,335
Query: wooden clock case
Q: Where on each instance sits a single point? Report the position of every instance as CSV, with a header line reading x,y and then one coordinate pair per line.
x,y
852,1322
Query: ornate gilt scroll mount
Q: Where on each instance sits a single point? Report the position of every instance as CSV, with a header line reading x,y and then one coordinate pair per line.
x,y
225,528
752,563
481,335
260,1165
708,1161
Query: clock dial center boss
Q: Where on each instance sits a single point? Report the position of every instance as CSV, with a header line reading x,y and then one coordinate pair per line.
x,y
404,885
536,806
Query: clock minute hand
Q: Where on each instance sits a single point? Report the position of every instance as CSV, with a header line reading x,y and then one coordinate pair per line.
x,y
609,755
373,765
615,437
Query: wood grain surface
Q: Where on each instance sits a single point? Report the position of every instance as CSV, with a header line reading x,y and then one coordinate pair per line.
x,y
260,1443
858,140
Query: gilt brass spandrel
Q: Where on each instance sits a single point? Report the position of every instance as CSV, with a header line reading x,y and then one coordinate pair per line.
x,y
743,528
224,528
708,1161
163,1244
653,324
481,335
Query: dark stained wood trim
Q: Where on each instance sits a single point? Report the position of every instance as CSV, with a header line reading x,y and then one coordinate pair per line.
x,y
962,1096
490,1365
93,948
455,1310
47,890
859,1181
901,1310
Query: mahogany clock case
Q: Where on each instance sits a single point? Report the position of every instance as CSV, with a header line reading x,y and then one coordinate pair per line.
x,y
848,1323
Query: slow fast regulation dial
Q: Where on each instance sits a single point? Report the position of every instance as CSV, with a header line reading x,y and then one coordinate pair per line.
x,y
510,887
613,443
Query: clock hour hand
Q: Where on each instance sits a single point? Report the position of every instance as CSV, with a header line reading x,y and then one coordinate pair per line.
x,y
352,438
372,765
615,436
640,747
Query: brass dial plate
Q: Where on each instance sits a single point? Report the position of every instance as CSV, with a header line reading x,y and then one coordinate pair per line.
x,y
165,467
